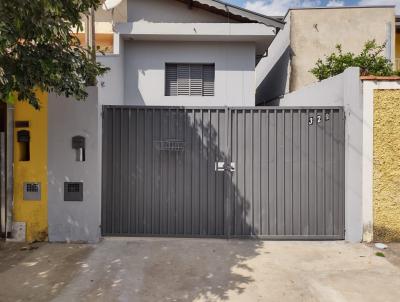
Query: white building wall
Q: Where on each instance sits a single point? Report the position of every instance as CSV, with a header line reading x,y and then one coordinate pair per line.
x,y
157,11
145,72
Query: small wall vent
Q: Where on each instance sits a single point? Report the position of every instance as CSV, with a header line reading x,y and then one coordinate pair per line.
x,y
73,191
32,191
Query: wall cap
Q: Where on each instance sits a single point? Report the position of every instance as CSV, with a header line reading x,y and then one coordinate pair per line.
x,y
379,78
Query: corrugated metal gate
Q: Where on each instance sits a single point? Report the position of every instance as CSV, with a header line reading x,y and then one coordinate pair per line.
x,y
266,172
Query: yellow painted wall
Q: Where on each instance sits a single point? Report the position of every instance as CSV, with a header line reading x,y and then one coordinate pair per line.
x,y
33,213
386,191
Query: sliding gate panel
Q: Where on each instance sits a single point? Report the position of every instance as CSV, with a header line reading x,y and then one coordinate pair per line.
x,y
266,172
289,178
159,173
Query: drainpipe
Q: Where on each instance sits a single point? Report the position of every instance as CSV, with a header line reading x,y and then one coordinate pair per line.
x,y
389,41
9,168
92,34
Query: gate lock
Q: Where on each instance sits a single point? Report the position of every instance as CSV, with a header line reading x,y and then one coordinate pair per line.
x,y
222,166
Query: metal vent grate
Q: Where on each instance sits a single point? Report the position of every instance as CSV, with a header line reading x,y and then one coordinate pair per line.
x,y
73,188
73,191
33,188
32,191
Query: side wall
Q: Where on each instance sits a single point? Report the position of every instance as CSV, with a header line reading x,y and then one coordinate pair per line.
x,y
316,32
74,221
145,72
32,213
386,175
343,90
273,71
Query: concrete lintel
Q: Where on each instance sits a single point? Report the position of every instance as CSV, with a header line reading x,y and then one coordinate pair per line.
x,y
229,31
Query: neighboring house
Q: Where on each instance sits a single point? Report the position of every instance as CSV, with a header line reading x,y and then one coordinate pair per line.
x,y
170,52
312,33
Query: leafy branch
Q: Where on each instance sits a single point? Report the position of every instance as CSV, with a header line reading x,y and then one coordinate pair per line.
x,y
370,61
39,49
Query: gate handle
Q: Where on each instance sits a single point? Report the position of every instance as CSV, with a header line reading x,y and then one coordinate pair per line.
x,y
222,166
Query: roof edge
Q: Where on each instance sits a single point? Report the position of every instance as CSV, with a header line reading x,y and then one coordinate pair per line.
x,y
339,7
234,9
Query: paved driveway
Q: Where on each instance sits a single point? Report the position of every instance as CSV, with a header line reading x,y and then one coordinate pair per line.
x,y
199,270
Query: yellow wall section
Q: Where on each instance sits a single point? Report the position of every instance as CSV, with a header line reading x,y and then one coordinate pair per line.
x,y
386,165
33,213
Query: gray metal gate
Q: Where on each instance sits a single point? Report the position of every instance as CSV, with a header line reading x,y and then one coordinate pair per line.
x,y
266,172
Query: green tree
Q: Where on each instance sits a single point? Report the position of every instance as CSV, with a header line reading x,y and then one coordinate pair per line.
x,y
38,49
370,61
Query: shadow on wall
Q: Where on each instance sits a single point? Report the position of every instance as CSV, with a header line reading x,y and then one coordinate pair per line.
x,y
161,188
274,84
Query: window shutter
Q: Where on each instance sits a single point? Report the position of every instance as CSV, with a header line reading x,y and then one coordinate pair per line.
x,y
171,80
183,79
196,79
189,79
208,80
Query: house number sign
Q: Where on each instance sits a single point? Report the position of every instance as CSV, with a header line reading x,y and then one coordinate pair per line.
x,y
318,119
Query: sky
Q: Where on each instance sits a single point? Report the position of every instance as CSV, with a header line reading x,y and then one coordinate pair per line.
x,y
279,7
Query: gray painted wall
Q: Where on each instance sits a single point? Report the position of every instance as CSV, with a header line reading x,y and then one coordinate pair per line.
x,y
137,75
343,90
74,221
145,72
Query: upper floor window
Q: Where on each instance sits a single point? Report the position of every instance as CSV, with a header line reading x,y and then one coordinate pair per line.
x,y
189,79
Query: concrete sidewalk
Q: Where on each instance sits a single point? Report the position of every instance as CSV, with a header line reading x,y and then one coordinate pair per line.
x,y
200,270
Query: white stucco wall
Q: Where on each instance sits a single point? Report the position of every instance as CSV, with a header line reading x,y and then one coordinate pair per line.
x,y
145,72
